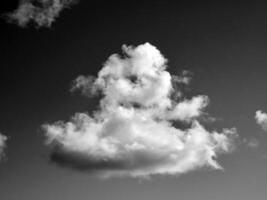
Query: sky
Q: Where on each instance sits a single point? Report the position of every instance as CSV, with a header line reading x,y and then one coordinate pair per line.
x,y
219,47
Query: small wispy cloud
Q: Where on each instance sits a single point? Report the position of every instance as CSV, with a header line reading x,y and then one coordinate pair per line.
x,y
252,143
41,12
261,119
135,133
3,139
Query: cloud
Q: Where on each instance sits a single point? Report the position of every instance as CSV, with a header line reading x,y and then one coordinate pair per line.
x,y
41,12
252,143
2,146
188,109
185,77
135,131
261,119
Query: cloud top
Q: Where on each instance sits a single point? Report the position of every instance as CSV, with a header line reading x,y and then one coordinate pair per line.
x,y
3,139
41,12
136,132
261,119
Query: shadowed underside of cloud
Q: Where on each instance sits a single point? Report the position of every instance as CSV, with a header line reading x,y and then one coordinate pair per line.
x,y
133,133
261,119
41,12
2,146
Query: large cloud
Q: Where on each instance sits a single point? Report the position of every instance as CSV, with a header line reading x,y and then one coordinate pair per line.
x,y
136,130
42,12
2,145
261,119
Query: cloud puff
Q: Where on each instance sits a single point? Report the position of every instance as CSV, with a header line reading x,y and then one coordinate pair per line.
x,y
252,143
261,119
135,131
2,145
42,12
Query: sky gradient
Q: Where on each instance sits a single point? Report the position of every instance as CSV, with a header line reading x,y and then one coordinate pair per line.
x,y
223,44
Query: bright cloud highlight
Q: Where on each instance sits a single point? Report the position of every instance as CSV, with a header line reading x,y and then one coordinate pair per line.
x,y
261,119
134,132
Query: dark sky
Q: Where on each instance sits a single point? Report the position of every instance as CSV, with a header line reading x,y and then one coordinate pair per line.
x,y
223,43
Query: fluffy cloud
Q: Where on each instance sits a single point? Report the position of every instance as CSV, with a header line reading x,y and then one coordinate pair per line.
x,y
2,145
42,12
261,119
134,132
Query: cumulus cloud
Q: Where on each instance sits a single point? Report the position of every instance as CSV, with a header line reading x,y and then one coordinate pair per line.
x,y
41,12
261,119
2,146
135,132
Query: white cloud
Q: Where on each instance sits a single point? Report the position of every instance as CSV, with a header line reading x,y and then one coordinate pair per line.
x,y
189,109
2,145
42,12
134,132
261,119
